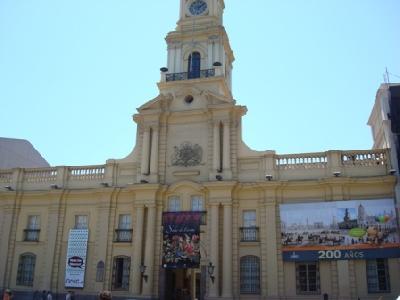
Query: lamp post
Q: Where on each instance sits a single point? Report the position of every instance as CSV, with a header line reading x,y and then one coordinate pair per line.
x,y
210,270
142,270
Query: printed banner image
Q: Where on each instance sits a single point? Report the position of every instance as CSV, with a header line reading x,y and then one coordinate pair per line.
x,y
76,258
181,250
181,243
354,229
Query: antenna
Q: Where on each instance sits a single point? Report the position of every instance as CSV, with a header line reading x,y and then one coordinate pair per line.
x,y
386,77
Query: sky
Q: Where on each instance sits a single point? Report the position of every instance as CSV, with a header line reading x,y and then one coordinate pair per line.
x,y
73,72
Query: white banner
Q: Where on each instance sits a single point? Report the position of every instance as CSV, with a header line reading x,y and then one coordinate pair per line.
x,y
76,258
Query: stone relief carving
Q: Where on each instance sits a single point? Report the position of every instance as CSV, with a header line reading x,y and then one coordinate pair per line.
x,y
187,155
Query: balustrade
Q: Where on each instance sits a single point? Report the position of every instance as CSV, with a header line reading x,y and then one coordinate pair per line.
x,y
305,166
366,158
5,177
87,173
302,161
40,175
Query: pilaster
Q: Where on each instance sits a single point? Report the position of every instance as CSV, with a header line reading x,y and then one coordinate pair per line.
x,y
137,252
227,252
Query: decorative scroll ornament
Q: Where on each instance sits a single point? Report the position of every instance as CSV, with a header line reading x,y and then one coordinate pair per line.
x,y
187,155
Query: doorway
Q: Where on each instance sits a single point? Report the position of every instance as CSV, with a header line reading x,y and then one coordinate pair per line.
x,y
182,284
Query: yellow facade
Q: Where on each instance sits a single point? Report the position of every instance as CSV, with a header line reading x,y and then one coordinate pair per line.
x,y
188,152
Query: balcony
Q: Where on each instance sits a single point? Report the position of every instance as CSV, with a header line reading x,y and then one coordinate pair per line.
x,y
31,235
123,236
249,234
190,75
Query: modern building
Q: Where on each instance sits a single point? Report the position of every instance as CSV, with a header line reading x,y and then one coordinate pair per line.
x,y
193,213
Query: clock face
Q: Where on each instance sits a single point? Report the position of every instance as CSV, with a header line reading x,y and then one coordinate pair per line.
x,y
198,7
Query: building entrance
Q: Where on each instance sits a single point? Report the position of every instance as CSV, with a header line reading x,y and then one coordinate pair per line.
x,y
182,284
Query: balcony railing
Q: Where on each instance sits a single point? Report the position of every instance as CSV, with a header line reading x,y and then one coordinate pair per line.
x,y
190,75
31,235
249,234
123,235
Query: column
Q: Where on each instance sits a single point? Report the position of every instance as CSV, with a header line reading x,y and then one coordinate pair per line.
x,y
137,252
216,147
227,257
145,151
154,152
227,147
179,59
213,287
149,251
344,279
272,250
210,54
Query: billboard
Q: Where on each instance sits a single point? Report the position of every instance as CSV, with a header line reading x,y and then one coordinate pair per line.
x,y
353,229
76,258
181,244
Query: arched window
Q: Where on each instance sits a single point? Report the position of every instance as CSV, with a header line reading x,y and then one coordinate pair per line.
x,y
26,269
250,275
194,65
100,271
121,272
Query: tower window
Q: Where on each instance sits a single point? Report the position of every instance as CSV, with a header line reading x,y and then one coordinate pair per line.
x,y
194,65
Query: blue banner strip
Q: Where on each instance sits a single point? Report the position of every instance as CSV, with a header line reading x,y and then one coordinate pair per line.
x,y
316,255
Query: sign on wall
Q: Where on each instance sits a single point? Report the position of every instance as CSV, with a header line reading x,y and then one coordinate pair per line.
x,y
339,230
76,258
181,244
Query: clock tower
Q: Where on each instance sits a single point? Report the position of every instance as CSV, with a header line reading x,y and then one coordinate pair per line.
x,y
190,130
199,47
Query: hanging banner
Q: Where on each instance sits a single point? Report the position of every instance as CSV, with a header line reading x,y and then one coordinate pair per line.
x,y
339,230
181,244
76,258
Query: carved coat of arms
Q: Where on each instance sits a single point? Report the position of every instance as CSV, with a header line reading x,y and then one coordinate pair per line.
x,y
187,155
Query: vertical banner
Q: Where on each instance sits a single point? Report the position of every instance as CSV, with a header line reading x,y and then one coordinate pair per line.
x,y
181,245
76,258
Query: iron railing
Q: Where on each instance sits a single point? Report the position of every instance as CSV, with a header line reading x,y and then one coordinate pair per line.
x,y
249,234
31,235
123,235
190,75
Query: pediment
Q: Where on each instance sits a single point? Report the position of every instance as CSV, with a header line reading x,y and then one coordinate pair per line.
x,y
173,102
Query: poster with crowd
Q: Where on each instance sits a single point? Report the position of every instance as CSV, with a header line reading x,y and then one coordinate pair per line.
x,y
181,242
76,258
353,229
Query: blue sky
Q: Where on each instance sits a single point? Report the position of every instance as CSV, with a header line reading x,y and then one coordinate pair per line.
x,y
73,72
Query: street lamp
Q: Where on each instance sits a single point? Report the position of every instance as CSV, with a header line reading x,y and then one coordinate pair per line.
x,y
142,270
210,269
